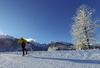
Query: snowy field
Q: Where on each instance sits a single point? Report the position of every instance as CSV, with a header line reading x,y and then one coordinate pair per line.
x,y
53,59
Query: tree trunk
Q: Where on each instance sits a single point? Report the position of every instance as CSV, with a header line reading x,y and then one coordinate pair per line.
x,y
89,47
86,34
88,44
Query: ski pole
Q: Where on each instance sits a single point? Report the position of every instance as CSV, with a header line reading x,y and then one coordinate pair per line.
x,y
17,52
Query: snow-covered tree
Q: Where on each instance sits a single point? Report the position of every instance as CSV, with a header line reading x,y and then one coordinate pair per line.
x,y
84,28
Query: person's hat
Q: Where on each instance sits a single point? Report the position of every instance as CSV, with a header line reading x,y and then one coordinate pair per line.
x,y
21,37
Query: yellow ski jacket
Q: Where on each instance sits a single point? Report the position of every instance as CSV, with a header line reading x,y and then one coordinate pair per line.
x,y
21,40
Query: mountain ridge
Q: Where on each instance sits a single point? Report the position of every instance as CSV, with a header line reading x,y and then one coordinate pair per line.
x,y
9,43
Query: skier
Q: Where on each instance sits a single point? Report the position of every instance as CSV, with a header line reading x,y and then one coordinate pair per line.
x,y
22,42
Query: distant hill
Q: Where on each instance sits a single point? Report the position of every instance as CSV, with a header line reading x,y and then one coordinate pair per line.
x,y
61,46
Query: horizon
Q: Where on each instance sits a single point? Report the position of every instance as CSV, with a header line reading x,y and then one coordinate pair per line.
x,y
42,20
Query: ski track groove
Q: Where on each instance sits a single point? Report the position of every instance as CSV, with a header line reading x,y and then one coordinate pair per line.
x,y
26,61
54,65
9,63
5,61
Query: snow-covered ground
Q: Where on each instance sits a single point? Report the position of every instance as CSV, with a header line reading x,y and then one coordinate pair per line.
x,y
52,59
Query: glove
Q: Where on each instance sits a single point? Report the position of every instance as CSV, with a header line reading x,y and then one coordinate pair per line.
x,y
28,42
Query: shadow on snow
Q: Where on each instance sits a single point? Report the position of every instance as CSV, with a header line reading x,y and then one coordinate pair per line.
x,y
72,60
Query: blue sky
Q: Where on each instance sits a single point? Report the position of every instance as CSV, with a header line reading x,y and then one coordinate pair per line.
x,y
43,20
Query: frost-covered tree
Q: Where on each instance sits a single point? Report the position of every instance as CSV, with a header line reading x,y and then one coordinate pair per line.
x,y
83,28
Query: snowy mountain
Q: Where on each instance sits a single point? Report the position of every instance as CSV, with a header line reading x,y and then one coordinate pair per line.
x,y
6,37
61,46
9,43
44,45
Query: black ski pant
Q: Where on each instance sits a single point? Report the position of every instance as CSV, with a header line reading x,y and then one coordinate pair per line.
x,y
23,48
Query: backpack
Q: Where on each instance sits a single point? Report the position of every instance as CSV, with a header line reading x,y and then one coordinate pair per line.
x,y
23,42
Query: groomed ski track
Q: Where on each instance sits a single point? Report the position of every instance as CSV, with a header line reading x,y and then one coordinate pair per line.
x,y
52,59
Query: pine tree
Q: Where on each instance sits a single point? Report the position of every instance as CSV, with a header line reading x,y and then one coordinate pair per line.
x,y
83,28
